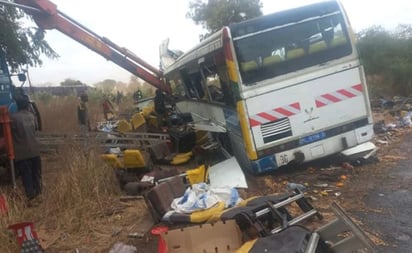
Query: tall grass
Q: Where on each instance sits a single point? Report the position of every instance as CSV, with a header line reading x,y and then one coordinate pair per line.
x,y
79,191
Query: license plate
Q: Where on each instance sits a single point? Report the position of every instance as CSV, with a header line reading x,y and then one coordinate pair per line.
x,y
312,138
282,159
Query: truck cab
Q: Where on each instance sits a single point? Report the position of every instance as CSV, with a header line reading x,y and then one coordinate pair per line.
x,y
6,86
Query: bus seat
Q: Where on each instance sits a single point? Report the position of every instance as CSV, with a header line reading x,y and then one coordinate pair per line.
x,y
248,66
146,111
137,120
112,160
270,60
133,158
123,126
337,41
295,53
316,47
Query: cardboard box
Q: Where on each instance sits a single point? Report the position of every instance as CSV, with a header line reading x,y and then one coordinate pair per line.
x,y
220,237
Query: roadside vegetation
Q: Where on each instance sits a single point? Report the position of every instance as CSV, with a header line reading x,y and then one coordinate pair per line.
x,y
387,58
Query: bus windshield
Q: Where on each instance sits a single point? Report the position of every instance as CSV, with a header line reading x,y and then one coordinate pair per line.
x,y
292,46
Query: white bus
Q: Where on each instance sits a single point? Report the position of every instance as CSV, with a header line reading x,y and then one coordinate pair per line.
x,y
288,87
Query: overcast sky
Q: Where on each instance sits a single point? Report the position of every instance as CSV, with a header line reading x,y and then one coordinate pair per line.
x,y
141,26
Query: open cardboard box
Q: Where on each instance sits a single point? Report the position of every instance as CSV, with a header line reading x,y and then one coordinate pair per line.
x,y
219,237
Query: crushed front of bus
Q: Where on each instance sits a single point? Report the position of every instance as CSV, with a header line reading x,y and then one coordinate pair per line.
x,y
303,87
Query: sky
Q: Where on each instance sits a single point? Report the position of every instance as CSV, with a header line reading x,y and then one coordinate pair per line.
x,y
140,26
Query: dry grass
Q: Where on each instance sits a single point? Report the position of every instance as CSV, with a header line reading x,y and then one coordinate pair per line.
x,y
80,194
59,114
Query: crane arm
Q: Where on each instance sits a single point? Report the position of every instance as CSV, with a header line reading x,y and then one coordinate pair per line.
x,y
47,16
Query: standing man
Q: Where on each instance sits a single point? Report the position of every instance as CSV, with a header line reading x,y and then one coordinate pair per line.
x,y
83,118
83,114
107,109
160,108
26,147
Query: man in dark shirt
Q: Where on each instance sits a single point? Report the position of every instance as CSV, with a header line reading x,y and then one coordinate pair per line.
x,y
160,101
26,147
83,114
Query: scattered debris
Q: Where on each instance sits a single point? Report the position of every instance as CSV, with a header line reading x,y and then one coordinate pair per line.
x,y
295,186
120,247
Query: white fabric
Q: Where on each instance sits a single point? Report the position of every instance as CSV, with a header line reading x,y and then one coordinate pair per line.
x,y
201,196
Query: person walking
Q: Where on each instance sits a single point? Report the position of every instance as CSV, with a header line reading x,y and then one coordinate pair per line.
x,y
26,147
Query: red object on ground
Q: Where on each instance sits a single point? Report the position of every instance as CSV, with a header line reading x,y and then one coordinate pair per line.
x,y
8,140
162,247
24,231
3,205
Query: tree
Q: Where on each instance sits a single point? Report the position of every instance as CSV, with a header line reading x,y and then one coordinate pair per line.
x,y
387,57
71,82
23,45
214,14
107,86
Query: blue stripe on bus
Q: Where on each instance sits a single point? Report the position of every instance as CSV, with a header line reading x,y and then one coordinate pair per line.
x,y
264,164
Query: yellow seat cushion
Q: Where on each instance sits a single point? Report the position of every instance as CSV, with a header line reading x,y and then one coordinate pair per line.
x,y
146,111
197,175
248,66
137,120
337,41
270,60
181,158
123,126
316,47
112,160
133,158
295,53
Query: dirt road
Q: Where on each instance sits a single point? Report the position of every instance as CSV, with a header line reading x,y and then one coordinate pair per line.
x,y
392,197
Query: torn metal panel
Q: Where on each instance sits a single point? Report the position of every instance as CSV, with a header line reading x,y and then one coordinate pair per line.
x,y
227,173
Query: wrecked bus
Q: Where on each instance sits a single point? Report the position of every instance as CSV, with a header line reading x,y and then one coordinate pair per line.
x,y
287,87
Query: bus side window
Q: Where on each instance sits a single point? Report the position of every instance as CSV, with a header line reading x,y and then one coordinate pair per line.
x,y
197,84
177,87
228,97
214,88
193,85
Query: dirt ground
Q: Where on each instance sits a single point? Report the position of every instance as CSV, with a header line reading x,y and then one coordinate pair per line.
x,y
326,181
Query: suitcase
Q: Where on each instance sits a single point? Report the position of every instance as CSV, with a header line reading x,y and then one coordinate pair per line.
x,y
161,196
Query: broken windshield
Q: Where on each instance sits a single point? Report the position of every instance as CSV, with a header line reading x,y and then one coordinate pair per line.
x,y
290,47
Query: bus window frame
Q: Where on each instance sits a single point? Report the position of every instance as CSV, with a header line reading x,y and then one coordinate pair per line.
x,y
255,71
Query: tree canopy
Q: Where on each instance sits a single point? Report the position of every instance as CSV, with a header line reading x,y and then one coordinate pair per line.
x,y
387,57
212,15
71,82
22,45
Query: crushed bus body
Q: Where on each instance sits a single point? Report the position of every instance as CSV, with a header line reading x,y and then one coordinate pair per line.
x,y
289,87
